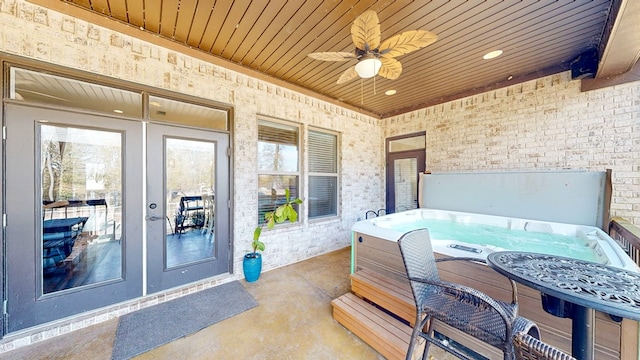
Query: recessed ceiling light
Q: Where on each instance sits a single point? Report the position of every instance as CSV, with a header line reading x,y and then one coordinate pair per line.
x,y
493,54
155,103
510,77
390,92
118,111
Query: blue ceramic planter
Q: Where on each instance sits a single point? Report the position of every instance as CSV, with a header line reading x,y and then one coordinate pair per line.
x,y
252,266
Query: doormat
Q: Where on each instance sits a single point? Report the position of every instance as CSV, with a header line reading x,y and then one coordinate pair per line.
x,y
146,329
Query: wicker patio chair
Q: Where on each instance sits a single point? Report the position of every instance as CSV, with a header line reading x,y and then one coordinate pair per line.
x,y
459,306
527,347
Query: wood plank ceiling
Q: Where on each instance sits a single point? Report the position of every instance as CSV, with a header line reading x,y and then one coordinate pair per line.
x,y
274,37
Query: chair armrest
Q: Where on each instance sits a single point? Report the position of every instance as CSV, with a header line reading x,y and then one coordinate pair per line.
x,y
472,296
514,288
529,347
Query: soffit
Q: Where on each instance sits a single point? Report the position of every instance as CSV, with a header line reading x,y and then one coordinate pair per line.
x,y
272,39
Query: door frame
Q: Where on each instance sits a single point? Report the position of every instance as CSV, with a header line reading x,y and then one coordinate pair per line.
x,y
419,154
9,61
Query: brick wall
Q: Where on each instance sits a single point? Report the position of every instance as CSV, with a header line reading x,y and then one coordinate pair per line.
x,y
543,124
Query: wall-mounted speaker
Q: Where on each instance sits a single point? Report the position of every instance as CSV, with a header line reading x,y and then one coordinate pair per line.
x,y
585,65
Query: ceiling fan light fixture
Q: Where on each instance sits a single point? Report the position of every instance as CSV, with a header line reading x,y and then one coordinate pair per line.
x,y
368,68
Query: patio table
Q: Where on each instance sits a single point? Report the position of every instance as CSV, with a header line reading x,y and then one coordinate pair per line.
x,y
585,286
66,230
63,225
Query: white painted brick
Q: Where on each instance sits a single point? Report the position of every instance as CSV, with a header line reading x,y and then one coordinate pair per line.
x,y
550,123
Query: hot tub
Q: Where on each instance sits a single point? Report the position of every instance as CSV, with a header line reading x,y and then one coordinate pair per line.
x,y
462,234
477,235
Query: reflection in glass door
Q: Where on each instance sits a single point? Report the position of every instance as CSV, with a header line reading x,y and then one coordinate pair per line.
x,y
190,202
187,205
81,189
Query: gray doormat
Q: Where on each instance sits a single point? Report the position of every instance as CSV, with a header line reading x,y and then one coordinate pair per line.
x,y
146,329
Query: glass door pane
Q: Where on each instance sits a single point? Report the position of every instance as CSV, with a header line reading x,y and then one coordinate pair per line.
x,y
81,190
406,183
190,202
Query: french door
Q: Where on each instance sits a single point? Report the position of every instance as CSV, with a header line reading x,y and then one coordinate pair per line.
x,y
80,231
73,228
187,208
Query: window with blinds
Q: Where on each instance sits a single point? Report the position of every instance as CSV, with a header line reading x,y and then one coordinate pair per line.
x,y
278,165
323,174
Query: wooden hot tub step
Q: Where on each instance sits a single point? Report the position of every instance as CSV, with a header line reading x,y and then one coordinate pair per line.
x,y
386,334
393,295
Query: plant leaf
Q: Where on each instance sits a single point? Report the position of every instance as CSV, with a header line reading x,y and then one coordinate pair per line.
x,y
257,232
260,245
293,216
406,42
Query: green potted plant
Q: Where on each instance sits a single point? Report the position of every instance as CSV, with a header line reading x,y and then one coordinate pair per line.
x,y
252,262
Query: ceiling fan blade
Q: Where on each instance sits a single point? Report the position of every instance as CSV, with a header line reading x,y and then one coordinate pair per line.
x,y
406,42
349,74
333,56
365,31
390,69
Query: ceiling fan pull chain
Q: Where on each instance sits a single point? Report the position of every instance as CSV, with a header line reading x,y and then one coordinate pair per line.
x,y
374,85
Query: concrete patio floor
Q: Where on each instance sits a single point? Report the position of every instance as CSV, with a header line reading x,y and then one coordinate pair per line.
x,y
293,320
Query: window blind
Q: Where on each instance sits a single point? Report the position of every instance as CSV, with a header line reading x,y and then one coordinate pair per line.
x,y
278,159
323,174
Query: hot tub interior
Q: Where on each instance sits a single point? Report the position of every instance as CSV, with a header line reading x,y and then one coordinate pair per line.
x,y
493,233
454,233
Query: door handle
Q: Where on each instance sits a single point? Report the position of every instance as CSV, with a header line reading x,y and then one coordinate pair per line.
x,y
154,218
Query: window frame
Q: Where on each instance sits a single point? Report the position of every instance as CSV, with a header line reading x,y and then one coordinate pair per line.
x,y
337,174
275,123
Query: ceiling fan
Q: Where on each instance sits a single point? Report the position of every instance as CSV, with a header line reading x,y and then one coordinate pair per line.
x,y
375,57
